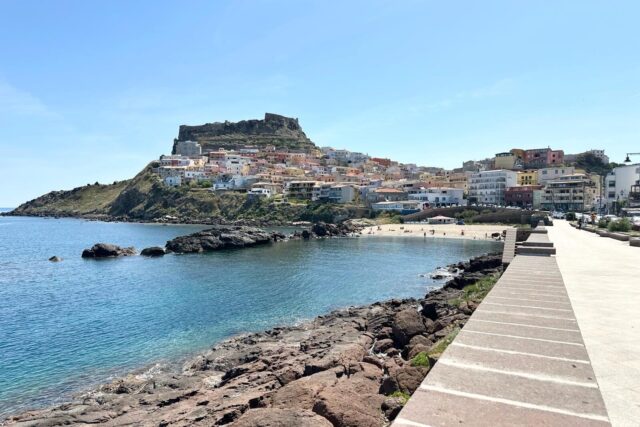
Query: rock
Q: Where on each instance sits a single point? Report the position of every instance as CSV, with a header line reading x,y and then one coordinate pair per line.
x,y
429,310
382,345
406,325
277,417
392,407
107,250
55,259
219,237
363,411
153,251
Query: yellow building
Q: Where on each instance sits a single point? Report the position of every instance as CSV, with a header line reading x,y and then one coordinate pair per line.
x,y
528,177
504,161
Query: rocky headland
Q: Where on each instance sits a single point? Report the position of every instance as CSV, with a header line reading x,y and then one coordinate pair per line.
x,y
352,367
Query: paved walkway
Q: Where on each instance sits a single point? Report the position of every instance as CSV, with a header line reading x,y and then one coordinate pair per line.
x,y
519,360
602,277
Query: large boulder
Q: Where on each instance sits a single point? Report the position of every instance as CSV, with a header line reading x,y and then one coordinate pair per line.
x,y
107,250
277,417
153,251
220,237
407,324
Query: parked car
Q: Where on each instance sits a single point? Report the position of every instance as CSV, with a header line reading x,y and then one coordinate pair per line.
x,y
558,215
460,222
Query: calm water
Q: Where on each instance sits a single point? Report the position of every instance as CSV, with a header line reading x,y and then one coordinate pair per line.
x,y
65,326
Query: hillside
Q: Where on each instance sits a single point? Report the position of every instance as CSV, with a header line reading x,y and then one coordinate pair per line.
x,y
145,198
276,130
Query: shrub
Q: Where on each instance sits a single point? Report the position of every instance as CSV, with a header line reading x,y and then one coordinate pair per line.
x,y
620,225
421,359
602,223
402,395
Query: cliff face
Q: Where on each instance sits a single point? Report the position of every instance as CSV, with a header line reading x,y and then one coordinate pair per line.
x,y
280,131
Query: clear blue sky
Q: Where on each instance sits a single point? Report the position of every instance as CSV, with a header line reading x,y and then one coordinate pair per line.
x,y
91,91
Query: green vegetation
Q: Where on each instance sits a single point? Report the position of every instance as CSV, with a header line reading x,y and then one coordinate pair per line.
x,y
386,217
441,345
602,223
592,164
146,198
622,224
421,359
402,395
476,291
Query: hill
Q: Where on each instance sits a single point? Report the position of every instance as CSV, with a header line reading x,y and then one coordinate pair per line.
x,y
146,198
276,130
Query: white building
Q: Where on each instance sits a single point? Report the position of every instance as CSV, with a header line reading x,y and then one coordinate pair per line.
x,y
618,183
549,174
173,181
488,187
439,196
404,206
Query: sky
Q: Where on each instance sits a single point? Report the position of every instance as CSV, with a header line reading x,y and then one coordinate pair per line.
x,y
92,91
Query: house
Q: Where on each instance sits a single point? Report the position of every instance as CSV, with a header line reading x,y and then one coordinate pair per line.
x,y
403,207
440,219
528,177
385,194
300,189
439,196
522,196
618,184
550,174
173,181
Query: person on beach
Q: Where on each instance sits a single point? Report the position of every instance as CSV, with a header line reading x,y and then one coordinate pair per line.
x,y
462,232
425,234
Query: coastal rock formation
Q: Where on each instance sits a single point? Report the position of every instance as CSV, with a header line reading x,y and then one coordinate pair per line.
x,y
276,130
55,258
221,237
107,250
337,370
153,251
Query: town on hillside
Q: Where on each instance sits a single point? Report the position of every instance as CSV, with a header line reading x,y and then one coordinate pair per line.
x,y
540,178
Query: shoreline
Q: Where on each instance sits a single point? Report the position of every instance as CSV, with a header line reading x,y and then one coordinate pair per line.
x,y
296,373
447,231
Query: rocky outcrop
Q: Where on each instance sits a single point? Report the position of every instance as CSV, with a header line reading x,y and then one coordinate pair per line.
x,y
153,251
337,370
55,258
221,237
277,130
107,250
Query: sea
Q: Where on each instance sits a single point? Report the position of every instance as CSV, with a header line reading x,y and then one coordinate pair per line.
x,y
67,326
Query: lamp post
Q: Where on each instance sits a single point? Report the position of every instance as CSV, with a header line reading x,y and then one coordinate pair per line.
x,y
627,159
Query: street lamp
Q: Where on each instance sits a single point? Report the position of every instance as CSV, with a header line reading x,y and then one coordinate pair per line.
x,y
627,159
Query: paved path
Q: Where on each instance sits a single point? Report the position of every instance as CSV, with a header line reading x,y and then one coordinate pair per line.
x,y
602,277
519,360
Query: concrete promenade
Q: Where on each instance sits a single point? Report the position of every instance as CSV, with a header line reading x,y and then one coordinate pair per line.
x,y
519,360
602,277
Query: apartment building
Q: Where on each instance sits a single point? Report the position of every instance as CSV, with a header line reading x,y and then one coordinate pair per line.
x,y
489,187
575,192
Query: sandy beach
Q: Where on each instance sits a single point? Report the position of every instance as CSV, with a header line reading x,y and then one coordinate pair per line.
x,y
449,231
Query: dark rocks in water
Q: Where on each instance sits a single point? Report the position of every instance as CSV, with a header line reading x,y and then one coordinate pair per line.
x,y
221,237
153,251
55,259
107,250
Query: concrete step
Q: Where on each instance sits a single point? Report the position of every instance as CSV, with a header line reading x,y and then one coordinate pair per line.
x,y
535,250
539,231
542,244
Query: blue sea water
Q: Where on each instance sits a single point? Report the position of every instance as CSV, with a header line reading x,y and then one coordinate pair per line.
x,y
70,325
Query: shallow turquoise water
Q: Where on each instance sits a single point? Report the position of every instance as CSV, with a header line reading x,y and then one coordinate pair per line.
x,y
65,326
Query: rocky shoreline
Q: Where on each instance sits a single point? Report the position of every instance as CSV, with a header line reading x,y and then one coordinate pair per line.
x,y
351,367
